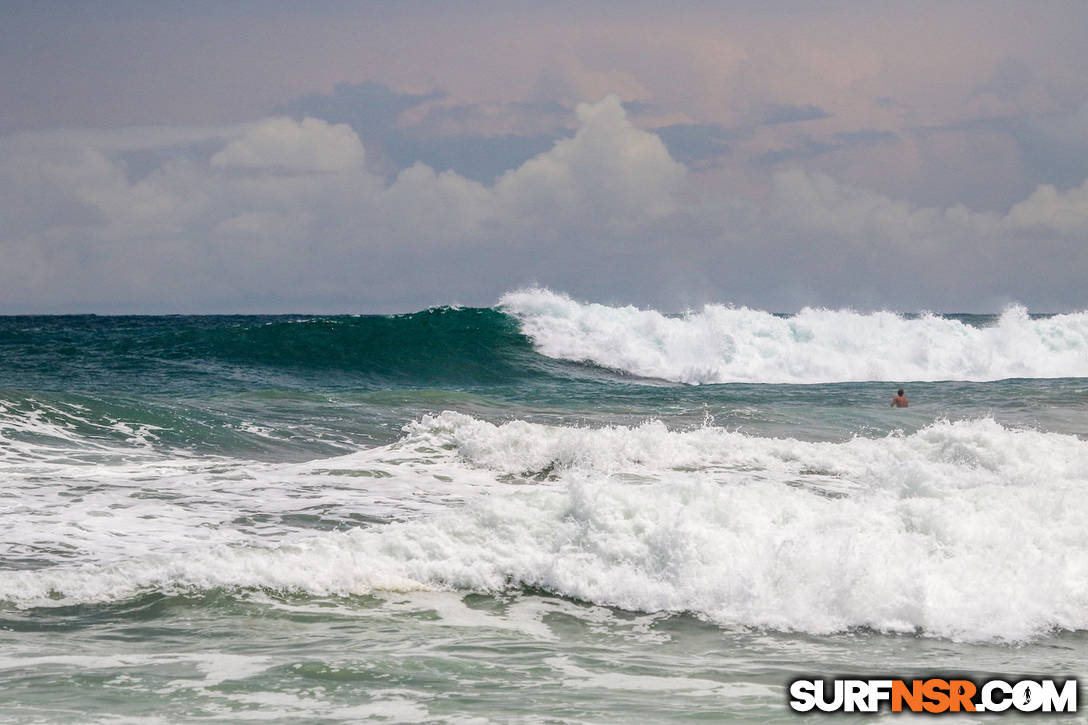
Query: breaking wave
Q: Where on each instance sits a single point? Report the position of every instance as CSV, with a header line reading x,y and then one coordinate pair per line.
x,y
968,530
735,344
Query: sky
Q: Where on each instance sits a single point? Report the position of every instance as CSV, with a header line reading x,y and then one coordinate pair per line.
x,y
358,157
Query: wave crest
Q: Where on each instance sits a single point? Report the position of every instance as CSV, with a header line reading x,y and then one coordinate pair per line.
x,y
735,344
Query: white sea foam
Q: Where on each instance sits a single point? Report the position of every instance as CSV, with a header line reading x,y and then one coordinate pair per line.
x,y
736,344
69,494
968,530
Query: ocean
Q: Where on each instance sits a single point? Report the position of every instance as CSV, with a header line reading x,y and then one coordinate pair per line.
x,y
547,511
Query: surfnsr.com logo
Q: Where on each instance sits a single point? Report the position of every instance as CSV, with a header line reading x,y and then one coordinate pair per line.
x,y
934,695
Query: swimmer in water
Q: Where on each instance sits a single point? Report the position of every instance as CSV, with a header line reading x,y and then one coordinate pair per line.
x,y
900,400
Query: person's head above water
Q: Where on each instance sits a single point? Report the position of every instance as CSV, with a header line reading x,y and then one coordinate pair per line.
x,y
900,392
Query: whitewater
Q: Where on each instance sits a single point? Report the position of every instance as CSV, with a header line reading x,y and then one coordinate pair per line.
x,y
548,507
722,344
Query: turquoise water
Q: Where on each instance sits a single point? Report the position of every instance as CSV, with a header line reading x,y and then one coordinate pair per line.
x,y
542,512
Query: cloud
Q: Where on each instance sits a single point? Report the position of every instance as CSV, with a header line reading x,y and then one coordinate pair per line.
x,y
610,172
481,158
480,141
1048,210
779,114
800,149
460,82
280,143
371,108
287,210
1054,145
807,147
284,215
566,79
694,144
866,136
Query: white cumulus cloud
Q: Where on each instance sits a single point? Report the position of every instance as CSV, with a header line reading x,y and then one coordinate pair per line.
x,y
281,143
284,215
1048,209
